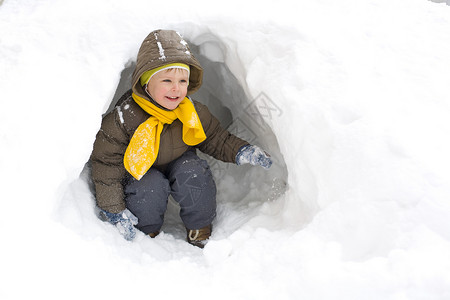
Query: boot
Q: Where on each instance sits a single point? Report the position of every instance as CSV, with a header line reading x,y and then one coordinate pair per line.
x,y
199,237
153,234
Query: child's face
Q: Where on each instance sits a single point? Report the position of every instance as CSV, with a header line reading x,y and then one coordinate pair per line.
x,y
169,87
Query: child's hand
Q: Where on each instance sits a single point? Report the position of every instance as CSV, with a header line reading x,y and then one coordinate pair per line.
x,y
124,222
253,155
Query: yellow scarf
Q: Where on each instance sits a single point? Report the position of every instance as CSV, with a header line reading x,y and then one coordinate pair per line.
x,y
143,148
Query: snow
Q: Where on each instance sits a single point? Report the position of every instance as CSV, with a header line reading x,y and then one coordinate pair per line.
x,y
161,52
353,105
119,111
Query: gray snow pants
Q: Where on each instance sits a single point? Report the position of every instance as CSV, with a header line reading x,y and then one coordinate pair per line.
x,y
188,179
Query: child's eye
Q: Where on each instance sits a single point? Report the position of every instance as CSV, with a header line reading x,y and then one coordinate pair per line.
x,y
167,80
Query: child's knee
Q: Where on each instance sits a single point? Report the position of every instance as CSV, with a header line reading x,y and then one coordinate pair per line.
x,y
193,186
152,190
151,181
193,173
190,164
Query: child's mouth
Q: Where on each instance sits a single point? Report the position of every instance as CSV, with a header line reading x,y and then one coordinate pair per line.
x,y
172,98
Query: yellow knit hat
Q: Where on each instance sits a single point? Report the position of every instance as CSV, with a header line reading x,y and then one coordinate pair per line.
x,y
145,78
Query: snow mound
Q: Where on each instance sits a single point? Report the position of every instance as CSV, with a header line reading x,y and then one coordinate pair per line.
x,y
350,98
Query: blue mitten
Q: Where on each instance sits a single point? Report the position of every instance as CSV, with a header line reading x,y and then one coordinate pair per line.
x,y
124,222
250,154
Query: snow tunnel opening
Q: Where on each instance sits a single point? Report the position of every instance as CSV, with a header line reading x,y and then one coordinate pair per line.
x,y
241,190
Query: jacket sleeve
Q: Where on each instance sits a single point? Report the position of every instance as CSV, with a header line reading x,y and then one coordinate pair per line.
x,y
108,170
219,143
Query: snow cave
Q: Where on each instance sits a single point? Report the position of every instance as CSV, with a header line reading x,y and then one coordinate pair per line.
x,y
241,190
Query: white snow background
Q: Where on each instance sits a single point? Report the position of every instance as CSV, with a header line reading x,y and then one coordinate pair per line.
x,y
363,91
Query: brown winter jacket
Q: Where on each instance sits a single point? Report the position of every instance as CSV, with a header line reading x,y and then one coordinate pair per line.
x,y
161,47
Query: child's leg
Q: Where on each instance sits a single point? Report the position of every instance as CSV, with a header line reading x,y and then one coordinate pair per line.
x,y
193,187
147,199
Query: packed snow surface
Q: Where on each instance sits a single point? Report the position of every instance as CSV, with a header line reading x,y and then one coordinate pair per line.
x,y
351,98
